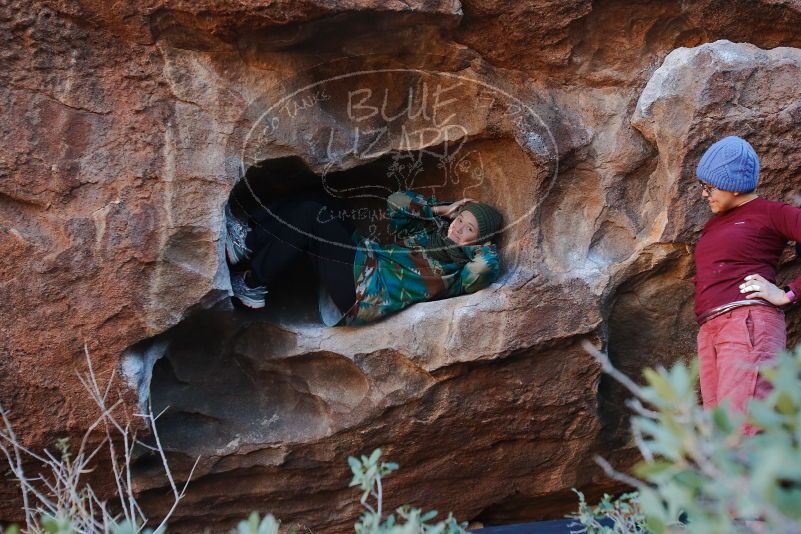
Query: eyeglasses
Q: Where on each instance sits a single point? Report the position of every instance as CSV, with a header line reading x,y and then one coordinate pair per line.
x,y
707,188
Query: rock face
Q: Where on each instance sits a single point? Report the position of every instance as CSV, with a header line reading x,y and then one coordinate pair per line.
x,y
126,130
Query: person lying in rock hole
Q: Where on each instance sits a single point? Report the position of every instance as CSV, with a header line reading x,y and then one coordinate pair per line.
x,y
439,251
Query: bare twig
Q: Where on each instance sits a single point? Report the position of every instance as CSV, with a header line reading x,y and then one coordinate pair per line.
x,y
643,448
380,497
61,490
178,499
636,406
608,368
158,444
16,464
611,472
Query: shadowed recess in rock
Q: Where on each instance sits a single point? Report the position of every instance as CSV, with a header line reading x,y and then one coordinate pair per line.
x,y
227,383
497,171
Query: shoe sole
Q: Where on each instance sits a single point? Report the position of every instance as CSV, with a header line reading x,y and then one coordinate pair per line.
x,y
250,303
230,253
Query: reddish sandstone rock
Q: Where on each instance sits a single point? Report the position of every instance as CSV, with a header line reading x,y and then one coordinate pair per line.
x,y
125,132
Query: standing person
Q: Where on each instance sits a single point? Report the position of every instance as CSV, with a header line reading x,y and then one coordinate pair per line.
x,y
438,252
736,298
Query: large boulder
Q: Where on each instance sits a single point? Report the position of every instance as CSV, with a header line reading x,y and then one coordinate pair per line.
x,y
126,131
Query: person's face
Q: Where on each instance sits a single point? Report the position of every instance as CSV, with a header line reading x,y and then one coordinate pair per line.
x,y
463,230
719,201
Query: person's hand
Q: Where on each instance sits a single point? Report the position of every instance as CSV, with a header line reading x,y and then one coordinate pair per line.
x,y
452,210
757,287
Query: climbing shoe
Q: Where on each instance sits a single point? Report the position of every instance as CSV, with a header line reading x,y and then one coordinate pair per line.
x,y
252,297
235,233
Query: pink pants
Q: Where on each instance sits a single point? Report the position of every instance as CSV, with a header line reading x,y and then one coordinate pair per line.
x,y
732,348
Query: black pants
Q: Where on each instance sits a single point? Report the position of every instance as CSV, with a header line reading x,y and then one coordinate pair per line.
x,y
300,227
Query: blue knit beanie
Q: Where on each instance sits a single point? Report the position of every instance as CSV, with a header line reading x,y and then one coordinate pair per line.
x,y
731,164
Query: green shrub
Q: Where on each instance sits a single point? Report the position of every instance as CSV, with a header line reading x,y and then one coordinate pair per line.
x,y
699,472
368,474
624,514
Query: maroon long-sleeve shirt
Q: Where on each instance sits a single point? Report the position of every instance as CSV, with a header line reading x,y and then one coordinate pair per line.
x,y
748,239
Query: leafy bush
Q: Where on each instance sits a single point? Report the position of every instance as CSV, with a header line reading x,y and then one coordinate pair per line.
x,y
700,473
610,516
367,474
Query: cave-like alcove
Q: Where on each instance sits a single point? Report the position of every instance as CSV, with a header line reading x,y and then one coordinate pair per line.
x,y
497,171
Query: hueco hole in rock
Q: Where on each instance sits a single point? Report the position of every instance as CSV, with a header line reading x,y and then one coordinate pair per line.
x,y
137,136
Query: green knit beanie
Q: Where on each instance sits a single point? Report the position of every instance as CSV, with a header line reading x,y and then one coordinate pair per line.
x,y
489,219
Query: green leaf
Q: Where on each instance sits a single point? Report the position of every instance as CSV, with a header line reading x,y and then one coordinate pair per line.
x,y
770,373
655,525
763,415
680,379
354,463
391,466
785,405
431,514
721,420
58,524
126,527
269,525
649,470
660,385
375,456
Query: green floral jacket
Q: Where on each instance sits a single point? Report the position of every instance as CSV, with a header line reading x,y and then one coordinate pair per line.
x,y
392,277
